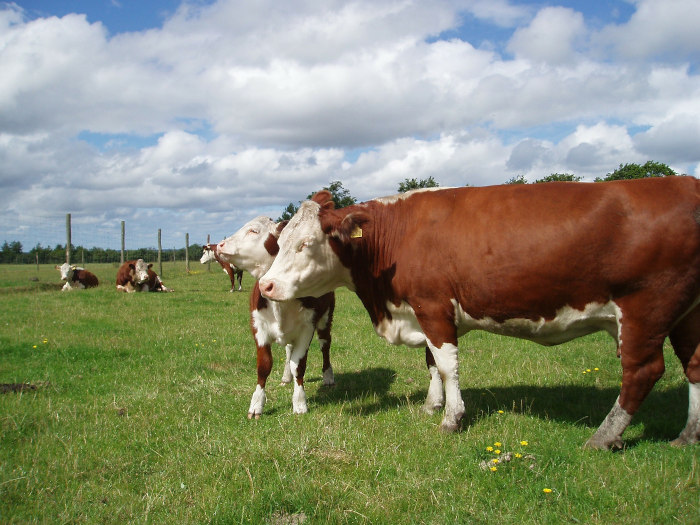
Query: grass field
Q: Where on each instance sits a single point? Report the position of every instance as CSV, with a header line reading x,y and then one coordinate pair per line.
x,y
138,415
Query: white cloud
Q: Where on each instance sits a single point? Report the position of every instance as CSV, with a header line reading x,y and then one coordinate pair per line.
x,y
255,107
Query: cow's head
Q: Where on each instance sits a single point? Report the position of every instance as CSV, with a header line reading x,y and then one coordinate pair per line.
x,y
310,251
67,271
208,254
253,247
140,271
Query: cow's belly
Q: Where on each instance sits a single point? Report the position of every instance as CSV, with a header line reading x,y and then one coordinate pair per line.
x,y
568,324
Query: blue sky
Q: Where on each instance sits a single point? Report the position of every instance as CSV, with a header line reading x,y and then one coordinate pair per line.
x,y
195,116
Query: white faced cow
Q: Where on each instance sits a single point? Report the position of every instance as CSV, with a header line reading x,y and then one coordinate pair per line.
x,y
544,262
291,323
76,278
209,254
137,276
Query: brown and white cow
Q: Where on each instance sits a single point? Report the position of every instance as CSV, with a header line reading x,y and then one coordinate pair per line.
x,y
76,277
291,323
209,253
545,262
137,276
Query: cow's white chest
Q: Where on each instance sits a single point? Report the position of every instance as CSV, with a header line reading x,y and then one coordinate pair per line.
x,y
281,323
569,323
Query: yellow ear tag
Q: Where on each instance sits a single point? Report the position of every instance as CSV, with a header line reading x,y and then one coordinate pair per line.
x,y
356,232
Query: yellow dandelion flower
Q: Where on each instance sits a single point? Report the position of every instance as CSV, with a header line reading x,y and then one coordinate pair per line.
x,y
34,346
524,443
547,491
518,455
498,444
495,460
213,340
501,412
596,369
494,469
497,451
588,369
489,449
45,341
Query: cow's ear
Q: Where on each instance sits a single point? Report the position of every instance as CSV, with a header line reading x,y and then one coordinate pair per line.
x,y
150,266
132,266
324,198
280,227
351,227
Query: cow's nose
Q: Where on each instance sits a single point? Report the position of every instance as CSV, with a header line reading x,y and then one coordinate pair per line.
x,y
267,288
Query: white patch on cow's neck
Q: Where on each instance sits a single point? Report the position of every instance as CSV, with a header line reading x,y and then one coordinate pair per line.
x,y
281,322
402,328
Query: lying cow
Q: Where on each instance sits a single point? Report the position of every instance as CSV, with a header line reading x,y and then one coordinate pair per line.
x,y
76,277
544,262
234,274
292,323
137,276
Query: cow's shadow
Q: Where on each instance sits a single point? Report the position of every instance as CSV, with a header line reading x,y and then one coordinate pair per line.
x,y
662,414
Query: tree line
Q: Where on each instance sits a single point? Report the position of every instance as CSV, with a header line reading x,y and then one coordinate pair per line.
x,y
12,252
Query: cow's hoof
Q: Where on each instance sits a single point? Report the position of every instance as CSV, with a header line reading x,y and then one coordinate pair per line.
x,y
601,444
682,441
430,408
251,415
449,428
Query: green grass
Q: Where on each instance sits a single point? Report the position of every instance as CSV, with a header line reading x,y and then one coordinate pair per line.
x,y
139,415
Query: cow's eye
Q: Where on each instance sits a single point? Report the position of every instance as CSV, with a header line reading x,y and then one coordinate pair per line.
x,y
303,245
253,231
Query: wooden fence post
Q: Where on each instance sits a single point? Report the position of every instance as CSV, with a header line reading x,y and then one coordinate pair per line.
x,y
160,260
208,262
122,258
187,252
68,238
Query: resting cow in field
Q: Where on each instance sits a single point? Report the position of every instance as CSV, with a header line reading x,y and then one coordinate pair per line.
x,y
234,274
291,323
76,277
137,276
544,262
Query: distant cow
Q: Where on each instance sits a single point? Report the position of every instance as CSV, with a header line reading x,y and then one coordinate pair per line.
x,y
291,324
235,274
544,262
137,276
76,277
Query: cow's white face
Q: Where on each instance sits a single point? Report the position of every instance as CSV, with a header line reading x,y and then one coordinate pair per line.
x,y
66,271
306,265
141,271
207,255
246,249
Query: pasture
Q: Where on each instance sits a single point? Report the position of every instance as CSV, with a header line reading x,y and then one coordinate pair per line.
x,y
137,413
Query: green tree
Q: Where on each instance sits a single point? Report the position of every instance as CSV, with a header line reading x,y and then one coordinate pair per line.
x,y
341,198
520,179
635,171
413,184
559,177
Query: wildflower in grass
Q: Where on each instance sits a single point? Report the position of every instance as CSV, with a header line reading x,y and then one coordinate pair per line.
x,y
488,449
34,346
501,412
45,340
498,444
547,491
596,369
493,469
495,461
524,443
497,451
518,455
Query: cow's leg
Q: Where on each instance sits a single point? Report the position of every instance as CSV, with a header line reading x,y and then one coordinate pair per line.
x,y
264,362
239,276
297,364
685,338
436,395
642,366
447,365
287,374
323,329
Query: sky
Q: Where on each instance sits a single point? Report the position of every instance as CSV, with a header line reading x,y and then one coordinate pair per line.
x,y
194,116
